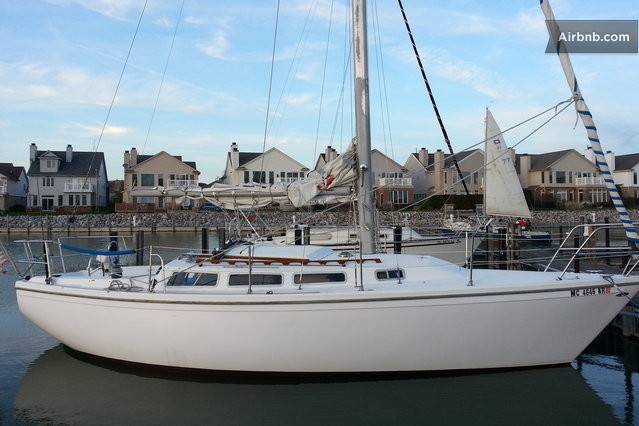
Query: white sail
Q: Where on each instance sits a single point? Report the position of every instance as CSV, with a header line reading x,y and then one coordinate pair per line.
x,y
503,195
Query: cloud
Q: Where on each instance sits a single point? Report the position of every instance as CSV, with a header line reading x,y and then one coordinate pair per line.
x,y
115,9
301,99
218,47
92,130
443,64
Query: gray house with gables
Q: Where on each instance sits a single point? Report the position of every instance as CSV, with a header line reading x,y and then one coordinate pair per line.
x,y
66,181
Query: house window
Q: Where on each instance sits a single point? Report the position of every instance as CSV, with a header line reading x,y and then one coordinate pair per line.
x,y
399,197
543,177
569,177
247,176
259,177
148,179
134,180
634,178
60,200
34,200
271,177
47,202
560,177
84,200
160,180
550,177
47,181
50,164
70,200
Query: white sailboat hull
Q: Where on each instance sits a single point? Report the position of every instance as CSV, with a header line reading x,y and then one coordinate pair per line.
x,y
314,333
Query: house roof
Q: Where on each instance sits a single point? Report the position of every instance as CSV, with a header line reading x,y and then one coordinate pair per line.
x,y
143,158
245,157
626,162
460,156
544,161
10,171
82,164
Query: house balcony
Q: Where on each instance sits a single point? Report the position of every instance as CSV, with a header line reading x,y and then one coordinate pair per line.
x,y
79,187
286,180
182,183
394,182
581,181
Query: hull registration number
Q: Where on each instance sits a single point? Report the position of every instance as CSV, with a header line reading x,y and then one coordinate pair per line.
x,y
593,291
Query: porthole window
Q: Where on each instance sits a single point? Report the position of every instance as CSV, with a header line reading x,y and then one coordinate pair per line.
x,y
390,274
336,277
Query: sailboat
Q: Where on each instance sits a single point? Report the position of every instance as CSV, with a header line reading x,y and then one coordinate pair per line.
x,y
288,309
503,195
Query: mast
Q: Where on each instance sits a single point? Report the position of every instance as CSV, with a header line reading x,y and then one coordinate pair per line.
x,y
586,117
365,196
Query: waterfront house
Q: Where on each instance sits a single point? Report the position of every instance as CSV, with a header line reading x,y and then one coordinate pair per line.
x,y
13,187
151,171
393,187
560,177
270,167
626,169
67,181
435,173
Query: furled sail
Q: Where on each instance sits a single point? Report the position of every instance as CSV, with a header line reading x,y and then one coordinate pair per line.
x,y
586,118
331,184
503,195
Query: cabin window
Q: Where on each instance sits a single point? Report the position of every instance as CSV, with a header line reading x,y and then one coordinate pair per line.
x,y
191,278
256,279
336,277
390,274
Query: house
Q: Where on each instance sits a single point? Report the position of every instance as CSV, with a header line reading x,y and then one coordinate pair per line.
x,y
13,187
393,188
67,181
625,170
435,173
560,177
272,166
150,171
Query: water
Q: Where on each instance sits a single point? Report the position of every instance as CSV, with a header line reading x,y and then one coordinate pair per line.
x,y
42,382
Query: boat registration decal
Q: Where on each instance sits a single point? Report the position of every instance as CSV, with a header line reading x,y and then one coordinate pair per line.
x,y
592,291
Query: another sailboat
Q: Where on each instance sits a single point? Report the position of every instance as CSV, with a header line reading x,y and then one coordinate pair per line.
x,y
503,194
269,308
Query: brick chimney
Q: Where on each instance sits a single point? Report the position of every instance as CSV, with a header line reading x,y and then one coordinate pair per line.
x,y
439,170
134,157
235,156
423,157
33,152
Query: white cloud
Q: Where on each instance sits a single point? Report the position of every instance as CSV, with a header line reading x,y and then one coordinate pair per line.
x,y
94,130
116,9
218,47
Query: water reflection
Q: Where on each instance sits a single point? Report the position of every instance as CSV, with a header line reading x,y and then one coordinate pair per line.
x,y
62,386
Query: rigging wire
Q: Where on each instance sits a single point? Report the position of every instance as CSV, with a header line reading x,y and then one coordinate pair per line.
x,y
319,114
106,120
166,64
432,98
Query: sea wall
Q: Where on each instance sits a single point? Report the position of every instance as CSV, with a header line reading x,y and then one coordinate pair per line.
x,y
188,220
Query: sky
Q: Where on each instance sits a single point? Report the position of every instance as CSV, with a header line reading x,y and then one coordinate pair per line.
x,y
201,74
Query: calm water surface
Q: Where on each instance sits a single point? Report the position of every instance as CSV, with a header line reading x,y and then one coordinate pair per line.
x,y
42,382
